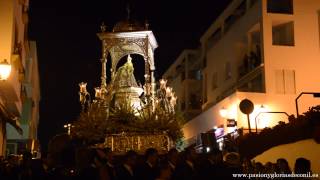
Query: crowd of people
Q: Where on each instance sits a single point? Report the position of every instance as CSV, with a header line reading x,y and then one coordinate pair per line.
x,y
102,164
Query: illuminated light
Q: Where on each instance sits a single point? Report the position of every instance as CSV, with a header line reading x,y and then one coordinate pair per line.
x,y
168,91
208,149
215,127
98,92
233,112
83,87
163,83
173,100
221,145
223,112
5,70
262,108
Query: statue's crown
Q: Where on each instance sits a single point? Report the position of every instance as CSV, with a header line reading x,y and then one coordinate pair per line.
x,y
129,58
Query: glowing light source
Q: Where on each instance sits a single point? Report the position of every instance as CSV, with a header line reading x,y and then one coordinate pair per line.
x,y
223,112
173,100
98,92
83,87
5,69
163,83
208,149
68,127
168,91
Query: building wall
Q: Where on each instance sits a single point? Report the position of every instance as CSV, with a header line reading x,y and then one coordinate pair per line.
x,y
14,47
181,77
230,48
30,114
303,58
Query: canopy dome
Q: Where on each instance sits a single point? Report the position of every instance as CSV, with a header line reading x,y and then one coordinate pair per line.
x,y
128,25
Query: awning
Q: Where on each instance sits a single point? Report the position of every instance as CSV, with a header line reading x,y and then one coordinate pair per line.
x,y
10,118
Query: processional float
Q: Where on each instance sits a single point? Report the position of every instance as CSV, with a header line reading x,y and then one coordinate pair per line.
x,y
128,115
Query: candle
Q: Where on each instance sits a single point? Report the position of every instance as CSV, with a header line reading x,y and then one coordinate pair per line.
x,y
163,83
83,87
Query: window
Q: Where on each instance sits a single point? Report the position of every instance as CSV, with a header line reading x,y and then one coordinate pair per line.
x,y
283,34
205,88
280,6
204,63
198,75
228,70
285,82
214,80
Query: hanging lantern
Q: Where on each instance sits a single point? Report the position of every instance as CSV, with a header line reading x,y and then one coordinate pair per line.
x,y
5,69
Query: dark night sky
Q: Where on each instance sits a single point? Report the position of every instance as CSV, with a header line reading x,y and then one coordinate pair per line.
x,y
69,50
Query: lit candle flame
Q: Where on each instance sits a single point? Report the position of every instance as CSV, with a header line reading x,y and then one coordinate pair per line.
x,y
83,87
168,91
163,83
98,92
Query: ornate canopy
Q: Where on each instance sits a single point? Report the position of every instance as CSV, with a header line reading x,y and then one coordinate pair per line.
x,y
127,114
128,37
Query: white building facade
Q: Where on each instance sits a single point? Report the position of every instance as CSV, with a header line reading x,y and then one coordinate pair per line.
x,y
267,51
185,77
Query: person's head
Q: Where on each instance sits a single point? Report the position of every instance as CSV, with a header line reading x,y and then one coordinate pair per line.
x,y
130,158
26,155
247,164
302,166
164,171
98,157
268,166
232,159
12,160
173,155
109,154
215,155
258,167
190,154
282,165
61,151
151,155
26,158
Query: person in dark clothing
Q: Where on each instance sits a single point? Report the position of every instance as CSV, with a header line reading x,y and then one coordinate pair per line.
x,y
210,167
95,169
10,168
109,163
164,172
186,169
232,165
172,159
149,169
126,170
283,166
61,158
302,166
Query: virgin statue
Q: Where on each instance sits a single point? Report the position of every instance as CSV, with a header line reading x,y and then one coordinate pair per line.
x,y
124,76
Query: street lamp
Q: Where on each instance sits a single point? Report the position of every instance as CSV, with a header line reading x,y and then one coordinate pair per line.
x,y
315,95
223,112
5,69
68,127
268,112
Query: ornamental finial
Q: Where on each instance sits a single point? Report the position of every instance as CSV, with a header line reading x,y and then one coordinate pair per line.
x,y
103,27
128,11
146,25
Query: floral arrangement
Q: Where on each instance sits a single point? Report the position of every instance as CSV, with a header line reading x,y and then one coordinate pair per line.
x,y
96,123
